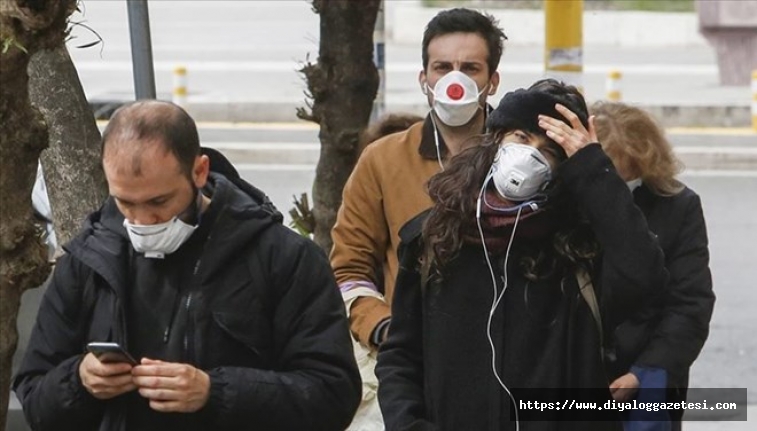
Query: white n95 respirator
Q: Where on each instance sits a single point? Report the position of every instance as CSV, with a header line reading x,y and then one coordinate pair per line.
x,y
455,98
158,240
520,172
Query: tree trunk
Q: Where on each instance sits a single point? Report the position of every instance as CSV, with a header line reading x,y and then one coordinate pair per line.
x,y
73,172
26,26
342,85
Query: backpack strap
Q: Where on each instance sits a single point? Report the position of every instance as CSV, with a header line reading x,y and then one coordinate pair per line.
x,y
411,245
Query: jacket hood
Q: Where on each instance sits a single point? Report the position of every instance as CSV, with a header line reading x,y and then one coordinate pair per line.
x,y
242,212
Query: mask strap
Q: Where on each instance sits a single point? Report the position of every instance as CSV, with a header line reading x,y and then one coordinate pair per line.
x,y
484,108
198,202
193,212
534,204
486,87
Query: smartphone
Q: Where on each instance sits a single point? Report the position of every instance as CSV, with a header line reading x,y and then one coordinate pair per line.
x,y
110,352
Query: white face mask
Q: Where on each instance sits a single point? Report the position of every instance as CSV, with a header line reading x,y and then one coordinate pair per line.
x,y
520,172
158,240
455,98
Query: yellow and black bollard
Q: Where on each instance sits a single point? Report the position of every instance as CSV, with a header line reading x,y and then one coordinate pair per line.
x,y
180,86
563,50
613,88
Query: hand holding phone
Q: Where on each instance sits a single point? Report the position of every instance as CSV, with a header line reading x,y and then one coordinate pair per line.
x,y
107,352
106,370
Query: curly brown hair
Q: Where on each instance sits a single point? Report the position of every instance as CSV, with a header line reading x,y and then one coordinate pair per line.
x,y
454,192
637,146
386,125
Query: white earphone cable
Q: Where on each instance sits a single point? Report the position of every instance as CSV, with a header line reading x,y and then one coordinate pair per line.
x,y
497,296
436,141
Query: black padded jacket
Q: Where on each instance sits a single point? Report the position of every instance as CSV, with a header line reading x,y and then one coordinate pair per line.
x,y
266,323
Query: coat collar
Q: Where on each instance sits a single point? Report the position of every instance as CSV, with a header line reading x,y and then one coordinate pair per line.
x,y
427,148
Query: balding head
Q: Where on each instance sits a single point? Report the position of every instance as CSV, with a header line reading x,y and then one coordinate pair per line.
x,y
136,127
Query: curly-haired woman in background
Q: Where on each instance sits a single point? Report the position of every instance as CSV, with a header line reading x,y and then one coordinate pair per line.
x,y
657,353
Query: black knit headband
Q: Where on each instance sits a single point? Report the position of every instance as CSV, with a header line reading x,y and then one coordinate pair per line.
x,y
520,109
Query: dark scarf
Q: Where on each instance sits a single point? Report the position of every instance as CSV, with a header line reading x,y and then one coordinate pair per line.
x,y
498,226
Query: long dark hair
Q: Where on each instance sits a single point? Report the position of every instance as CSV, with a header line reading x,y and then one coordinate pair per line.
x,y
455,191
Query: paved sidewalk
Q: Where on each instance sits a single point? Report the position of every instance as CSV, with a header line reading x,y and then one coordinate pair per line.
x,y
748,425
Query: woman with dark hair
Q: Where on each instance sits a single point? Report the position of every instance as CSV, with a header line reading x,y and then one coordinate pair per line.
x,y
532,253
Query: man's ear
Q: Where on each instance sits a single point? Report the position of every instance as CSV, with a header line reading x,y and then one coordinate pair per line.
x,y
423,81
494,83
201,170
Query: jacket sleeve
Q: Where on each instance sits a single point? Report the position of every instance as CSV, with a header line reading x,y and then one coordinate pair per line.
x,y
632,265
400,358
683,328
48,383
361,238
316,385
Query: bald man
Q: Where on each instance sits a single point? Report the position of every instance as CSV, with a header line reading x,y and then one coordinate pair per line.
x,y
234,321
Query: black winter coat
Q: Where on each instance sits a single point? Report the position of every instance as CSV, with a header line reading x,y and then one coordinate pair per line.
x,y
267,324
671,333
435,369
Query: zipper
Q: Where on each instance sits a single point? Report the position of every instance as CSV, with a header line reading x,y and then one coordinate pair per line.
x,y
188,343
175,307
189,333
120,309
190,327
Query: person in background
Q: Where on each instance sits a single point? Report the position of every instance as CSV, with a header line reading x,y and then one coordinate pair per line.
x,y
654,353
43,213
234,320
388,124
460,54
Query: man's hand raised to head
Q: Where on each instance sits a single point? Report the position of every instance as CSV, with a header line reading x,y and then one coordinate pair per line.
x,y
170,386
